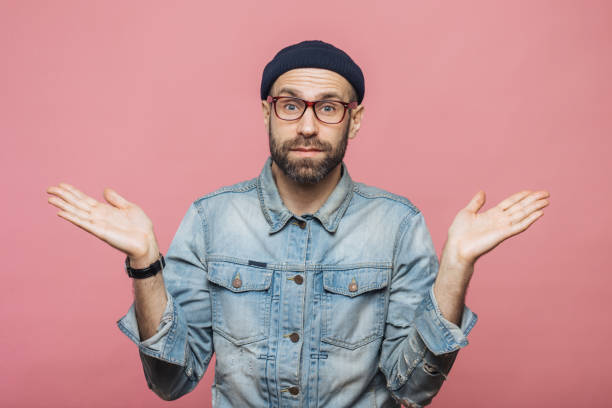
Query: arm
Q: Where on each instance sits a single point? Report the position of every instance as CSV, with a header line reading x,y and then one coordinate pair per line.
x,y
170,319
473,234
420,344
470,236
176,355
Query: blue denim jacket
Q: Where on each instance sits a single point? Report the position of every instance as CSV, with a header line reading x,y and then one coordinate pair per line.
x,y
331,309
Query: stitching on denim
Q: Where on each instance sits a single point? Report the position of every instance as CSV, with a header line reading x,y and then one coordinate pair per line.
x,y
400,235
300,267
380,193
240,187
420,356
448,336
342,209
199,208
262,204
471,324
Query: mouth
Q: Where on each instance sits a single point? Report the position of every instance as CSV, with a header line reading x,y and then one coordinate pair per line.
x,y
306,152
305,149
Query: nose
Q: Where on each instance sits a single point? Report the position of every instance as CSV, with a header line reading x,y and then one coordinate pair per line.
x,y
308,125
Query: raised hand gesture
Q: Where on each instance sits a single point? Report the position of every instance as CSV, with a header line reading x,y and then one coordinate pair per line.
x,y
473,234
121,224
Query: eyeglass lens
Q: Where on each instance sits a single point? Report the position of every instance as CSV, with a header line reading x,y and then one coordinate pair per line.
x,y
326,111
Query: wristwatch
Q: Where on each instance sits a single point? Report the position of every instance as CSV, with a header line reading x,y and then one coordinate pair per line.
x,y
150,270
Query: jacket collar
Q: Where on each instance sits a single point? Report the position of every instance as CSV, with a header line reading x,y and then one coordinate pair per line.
x,y
277,214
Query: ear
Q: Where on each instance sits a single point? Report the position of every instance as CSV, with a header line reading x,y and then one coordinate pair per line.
x,y
356,115
265,106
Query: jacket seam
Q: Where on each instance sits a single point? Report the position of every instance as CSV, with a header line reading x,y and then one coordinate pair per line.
x,y
205,232
399,235
234,188
392,197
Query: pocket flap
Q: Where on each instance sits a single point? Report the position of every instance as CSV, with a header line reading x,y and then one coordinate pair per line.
x,y
353,282
239,278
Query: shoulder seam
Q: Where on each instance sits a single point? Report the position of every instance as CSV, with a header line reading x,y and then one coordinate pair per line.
x,y
251,184
389,196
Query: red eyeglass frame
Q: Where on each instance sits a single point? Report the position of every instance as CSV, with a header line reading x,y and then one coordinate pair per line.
x,y
347,105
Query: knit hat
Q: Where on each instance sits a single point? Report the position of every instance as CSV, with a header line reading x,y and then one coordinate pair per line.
x,y
313,54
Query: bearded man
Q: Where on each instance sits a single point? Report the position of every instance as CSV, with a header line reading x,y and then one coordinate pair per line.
x,y
310,288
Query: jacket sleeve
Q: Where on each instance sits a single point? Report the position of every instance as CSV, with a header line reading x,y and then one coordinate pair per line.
x,y
420,345
175,358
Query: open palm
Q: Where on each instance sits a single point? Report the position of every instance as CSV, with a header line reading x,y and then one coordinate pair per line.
x,y
474,234
121,224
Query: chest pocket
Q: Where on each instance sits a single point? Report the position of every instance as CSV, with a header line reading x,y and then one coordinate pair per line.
x,y
240,301
354,306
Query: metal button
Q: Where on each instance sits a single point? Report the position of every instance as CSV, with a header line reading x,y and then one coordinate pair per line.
x,y
294,390
353,286
298,279
237,282
302,224
294,337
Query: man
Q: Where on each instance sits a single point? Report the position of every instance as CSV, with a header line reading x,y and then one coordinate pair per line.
x,y
312,289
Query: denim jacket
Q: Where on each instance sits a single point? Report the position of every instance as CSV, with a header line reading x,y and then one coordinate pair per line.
x,y
331,309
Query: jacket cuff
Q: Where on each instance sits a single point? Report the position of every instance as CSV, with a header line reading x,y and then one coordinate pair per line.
x,y
168,343
440,335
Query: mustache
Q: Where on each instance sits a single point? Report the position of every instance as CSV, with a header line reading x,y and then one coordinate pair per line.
x,y
308,143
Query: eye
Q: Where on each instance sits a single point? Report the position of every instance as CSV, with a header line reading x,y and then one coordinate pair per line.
x,y
289,106
328,108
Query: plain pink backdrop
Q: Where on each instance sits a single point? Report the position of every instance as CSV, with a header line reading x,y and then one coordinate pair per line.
x,y
142,96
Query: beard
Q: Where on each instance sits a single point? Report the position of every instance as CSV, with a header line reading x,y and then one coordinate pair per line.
x,y
307,170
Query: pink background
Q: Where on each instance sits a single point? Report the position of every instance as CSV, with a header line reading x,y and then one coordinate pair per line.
x,y
141,96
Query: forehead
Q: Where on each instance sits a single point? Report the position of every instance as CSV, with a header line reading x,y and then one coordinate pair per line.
x,y
312,83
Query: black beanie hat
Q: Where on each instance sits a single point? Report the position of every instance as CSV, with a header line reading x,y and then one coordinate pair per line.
x,y
313,54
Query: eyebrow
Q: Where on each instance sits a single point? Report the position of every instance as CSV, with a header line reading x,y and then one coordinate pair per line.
x,y
324,95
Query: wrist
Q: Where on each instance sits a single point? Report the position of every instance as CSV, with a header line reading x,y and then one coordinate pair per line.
x,y
455,271
145,260
453,256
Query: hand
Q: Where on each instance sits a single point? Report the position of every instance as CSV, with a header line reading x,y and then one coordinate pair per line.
x,y
122,224
472,235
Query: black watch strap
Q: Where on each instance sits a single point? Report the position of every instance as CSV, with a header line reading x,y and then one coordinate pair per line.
x,y
149,271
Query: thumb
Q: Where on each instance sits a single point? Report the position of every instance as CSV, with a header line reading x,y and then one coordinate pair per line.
x,y
476,202
115,199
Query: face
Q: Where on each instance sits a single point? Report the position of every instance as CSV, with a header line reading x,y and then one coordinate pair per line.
x,y
307,150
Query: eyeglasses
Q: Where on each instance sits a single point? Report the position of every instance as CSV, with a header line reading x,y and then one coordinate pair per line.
x,y
327,111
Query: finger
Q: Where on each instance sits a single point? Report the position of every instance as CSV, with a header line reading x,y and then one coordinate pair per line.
x,y
115,199
89,200
61,204
476,202
525,223
518,215
83,224
69,197
514,198
527,201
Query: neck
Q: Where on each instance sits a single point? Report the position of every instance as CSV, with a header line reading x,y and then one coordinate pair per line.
x,y
305,198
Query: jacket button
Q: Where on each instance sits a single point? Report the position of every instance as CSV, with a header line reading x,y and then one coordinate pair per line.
x,y
294,337
294,390
353,286
298,279
302,224
237,282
